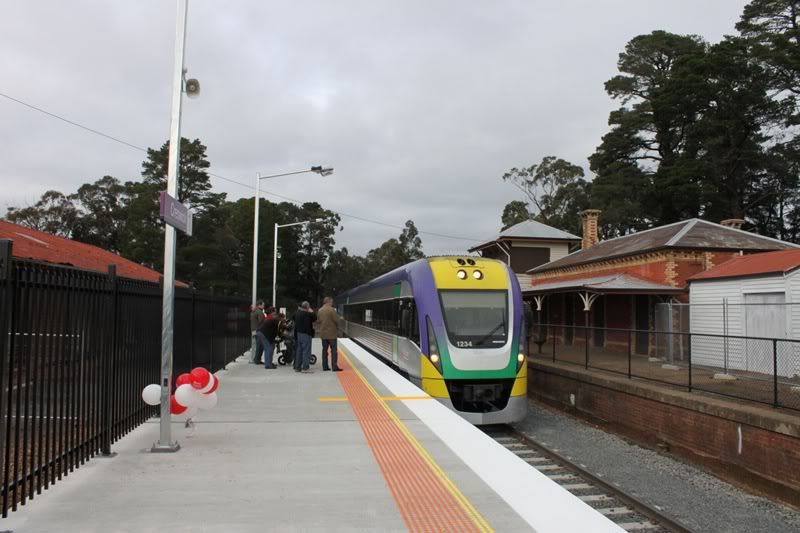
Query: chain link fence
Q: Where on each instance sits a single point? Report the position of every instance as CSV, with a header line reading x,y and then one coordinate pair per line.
x,y
764,370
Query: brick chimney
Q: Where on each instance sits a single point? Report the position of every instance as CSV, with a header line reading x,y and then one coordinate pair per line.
x,y
589,218
735,223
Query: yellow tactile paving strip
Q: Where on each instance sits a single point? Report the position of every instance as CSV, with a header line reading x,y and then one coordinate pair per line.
x,y
425,496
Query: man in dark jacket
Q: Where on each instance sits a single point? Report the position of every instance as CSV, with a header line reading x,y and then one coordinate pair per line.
x,y
304,320
270,330
256,320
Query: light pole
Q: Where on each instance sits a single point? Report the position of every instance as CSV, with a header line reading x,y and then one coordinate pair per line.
x,y
322,171
275,255
165,443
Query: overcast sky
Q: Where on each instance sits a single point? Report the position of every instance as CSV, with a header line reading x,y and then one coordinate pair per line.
x,y
420,106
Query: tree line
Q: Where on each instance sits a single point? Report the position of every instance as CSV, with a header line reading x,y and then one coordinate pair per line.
x,y
706,130
122,217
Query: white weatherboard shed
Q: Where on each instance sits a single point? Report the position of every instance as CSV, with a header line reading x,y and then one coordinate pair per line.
x,y
750,296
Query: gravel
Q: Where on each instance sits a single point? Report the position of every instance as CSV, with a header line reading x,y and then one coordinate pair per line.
x,y
686,493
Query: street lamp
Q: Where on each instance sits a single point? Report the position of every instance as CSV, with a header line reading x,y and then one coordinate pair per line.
x,y
179,86
322,171
275,254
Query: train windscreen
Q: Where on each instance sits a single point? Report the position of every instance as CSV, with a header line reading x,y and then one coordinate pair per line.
x,y
475,319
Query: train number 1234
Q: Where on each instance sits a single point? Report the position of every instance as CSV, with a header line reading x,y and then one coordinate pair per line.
x,y
464,344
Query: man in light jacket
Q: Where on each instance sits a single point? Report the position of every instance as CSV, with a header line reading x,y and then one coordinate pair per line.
x,y
329,331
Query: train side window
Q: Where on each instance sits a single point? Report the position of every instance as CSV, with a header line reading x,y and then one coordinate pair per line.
x,y
403,324
414,335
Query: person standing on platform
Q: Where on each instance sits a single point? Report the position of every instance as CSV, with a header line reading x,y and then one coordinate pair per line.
x,y
329,333
304,320
270,330
256,321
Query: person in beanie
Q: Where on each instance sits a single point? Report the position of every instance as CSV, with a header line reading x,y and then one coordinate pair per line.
x,y
256,321
304,320
270,330
329,332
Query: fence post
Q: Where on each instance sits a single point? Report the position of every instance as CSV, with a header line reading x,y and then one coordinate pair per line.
x,y
586,346
629,353
553,333
689,357
108,366
775,372
7,339
212,307
191,331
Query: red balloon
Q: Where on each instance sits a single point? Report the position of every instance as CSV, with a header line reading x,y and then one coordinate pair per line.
x,y
174,407
214,387
183,379
200,377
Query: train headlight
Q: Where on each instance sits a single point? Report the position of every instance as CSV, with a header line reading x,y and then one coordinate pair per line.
x,y
433,346
477,274
521,358
462,274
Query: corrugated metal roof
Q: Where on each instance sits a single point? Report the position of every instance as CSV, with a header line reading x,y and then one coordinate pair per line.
x,y
40,246
753,265
531,229
693,233
610,283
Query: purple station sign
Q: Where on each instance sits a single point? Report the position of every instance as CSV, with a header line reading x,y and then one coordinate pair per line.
x,y
175,213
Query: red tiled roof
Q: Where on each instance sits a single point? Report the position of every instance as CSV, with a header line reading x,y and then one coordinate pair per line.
x,y
755,264
39,246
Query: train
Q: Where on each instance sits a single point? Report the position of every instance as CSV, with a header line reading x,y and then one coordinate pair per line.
x,y
452,325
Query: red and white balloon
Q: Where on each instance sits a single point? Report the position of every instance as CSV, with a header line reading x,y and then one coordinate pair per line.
x,y
195,391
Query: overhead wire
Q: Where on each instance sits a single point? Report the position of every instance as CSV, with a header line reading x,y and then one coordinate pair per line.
x,y
223,178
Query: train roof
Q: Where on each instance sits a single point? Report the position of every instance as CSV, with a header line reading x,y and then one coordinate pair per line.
x,y
404,273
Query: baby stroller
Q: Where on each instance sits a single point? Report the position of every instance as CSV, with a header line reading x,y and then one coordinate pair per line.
x,y
286,346
286,349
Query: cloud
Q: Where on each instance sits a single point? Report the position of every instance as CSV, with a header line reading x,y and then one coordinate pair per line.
x,y
420,106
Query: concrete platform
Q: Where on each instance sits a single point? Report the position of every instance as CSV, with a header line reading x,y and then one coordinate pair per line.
x,y
325,451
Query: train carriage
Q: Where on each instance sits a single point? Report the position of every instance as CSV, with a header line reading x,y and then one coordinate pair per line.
x,y
454,327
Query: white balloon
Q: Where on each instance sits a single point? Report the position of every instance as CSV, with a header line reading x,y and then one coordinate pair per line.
x,y
207,401
191,412
185,395
152,394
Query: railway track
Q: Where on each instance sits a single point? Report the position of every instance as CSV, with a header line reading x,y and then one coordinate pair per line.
x,y
626,511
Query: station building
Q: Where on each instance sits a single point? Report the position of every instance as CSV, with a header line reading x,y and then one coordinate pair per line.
x,y
616,283
528,245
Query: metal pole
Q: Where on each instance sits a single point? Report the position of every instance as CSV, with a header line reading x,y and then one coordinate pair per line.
x,y
275,266
689,356
775,372
725,333
165,443
255,260
586,339
255,240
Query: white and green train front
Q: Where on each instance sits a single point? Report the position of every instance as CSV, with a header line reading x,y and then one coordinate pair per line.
x,y
453,326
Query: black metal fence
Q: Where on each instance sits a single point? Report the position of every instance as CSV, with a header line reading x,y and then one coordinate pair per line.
x,y
76,350
748,368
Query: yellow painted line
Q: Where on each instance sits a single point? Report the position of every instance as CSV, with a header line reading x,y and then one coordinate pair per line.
x,y
481,522
403,398
384,398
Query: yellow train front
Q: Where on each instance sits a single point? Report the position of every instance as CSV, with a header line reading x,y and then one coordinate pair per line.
x,y
454,326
